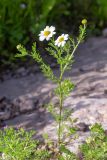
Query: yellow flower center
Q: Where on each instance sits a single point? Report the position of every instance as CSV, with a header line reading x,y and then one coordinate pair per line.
x,y
61,39
46,33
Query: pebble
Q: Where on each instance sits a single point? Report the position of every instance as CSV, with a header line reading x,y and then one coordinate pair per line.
x,y
12,108
82,127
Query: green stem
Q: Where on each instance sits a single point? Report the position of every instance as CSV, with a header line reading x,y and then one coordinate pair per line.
x,y
60,109
60,120
62,70
74,50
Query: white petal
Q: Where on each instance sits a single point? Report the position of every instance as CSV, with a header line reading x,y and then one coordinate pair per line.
x,y
40,35
63,43
56,42
59,44
50,35
66,37
58,38
54,32
42,32
48,38
47,28
62,35
52,28
41,38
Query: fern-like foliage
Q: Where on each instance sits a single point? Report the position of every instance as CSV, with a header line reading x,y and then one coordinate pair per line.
x,y
64,55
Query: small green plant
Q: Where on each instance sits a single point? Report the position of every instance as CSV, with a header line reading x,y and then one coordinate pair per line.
x,y
62,49
95,147
41,154
16,144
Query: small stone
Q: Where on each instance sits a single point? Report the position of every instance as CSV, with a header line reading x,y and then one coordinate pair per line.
x,y
7,109
5,115
82,127
25,104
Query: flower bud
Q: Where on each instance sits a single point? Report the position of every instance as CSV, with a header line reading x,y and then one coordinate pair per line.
x,y
18,46
84,21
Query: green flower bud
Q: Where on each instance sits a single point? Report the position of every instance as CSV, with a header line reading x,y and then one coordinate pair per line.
x,y
18,46
84,21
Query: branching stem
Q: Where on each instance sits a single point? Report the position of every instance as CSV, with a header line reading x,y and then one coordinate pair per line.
x,y
74,49
62,70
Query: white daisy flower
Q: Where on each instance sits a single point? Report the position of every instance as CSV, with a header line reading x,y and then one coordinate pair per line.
x,y
61,40
47,33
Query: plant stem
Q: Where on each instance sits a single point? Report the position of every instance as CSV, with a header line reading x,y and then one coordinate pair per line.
x,y
62,70
74,50
60,109
60,120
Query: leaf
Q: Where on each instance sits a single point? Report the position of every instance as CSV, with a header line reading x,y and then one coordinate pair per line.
x,y
22,50
65,150
66,88
72,130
